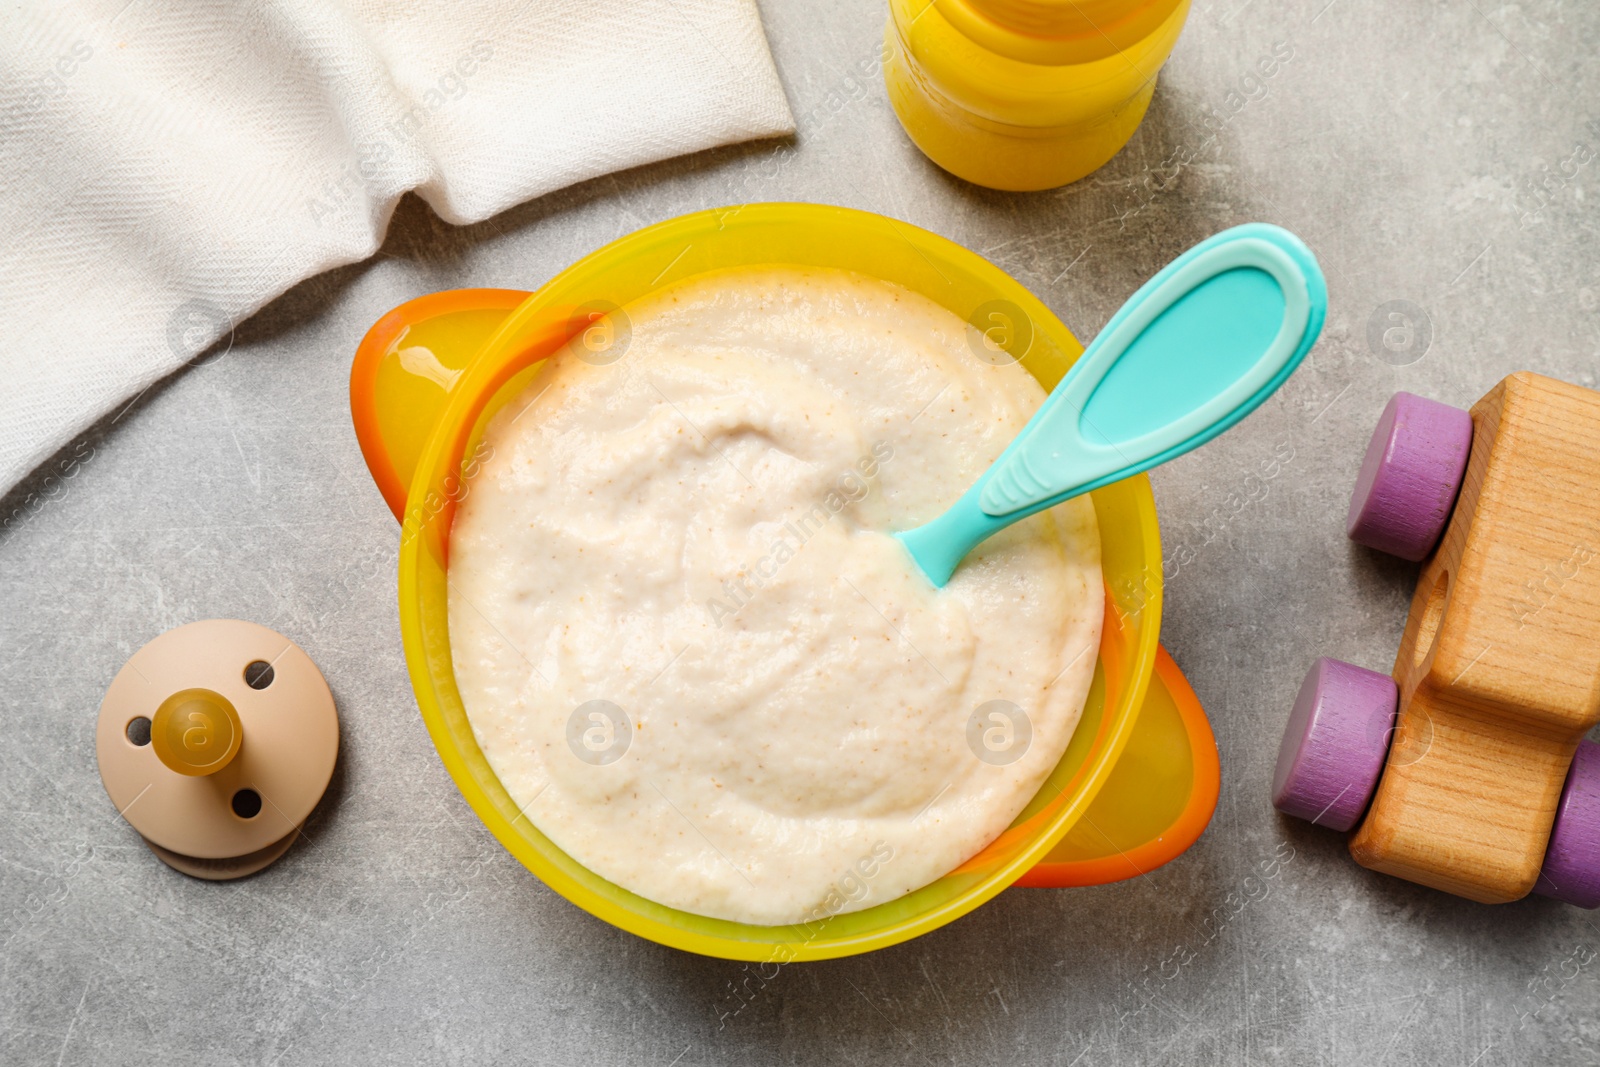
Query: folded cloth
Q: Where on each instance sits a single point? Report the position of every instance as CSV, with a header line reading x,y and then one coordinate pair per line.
x,y
167,169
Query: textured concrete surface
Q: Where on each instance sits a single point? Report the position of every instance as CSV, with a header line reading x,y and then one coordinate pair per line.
x,y
1440,154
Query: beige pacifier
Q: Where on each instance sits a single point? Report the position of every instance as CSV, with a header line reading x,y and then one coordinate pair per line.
x,y
215,741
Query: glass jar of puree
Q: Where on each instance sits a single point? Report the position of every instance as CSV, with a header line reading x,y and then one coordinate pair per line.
x,y
1025,94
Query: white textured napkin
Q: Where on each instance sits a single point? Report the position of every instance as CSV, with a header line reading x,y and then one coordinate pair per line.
x,y
168,168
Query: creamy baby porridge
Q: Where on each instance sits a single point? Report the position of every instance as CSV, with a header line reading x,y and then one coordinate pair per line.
x,y
689,646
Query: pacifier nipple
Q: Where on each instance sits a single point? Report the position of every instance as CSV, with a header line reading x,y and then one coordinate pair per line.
x,y
195,732
215,742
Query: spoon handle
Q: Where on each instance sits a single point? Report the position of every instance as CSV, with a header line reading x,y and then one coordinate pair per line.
x,y
1196,349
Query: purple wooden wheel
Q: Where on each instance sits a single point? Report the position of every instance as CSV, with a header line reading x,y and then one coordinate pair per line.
x,y
1410,476
1572,861
1335,744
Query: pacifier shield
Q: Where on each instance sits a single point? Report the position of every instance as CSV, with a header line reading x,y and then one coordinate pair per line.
x,y
215,742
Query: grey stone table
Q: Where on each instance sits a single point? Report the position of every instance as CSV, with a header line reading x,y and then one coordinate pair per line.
x,y
1442,156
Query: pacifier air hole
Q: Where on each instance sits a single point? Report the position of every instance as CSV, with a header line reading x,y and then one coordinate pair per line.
x,y
258,674
247,803
138,730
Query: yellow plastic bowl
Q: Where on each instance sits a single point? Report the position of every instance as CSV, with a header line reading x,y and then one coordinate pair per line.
x,y
667,253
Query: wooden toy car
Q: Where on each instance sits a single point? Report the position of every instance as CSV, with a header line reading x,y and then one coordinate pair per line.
x,y
1488,790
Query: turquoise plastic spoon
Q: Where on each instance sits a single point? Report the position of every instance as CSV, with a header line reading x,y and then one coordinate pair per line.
x,y
1196,349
